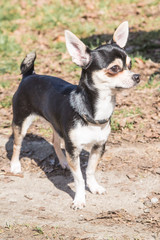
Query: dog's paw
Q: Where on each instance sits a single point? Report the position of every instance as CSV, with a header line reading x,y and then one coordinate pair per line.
x,y
15,167
97,189
78,204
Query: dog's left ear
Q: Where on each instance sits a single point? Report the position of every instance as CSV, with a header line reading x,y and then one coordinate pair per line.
x,y
120,36
77,49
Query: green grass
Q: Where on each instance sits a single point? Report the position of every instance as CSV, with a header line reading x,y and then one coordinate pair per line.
x,y
38,230
45,131
53,15
115,126
9,49
151,83
6,102
8,46
5,84
67,16
125,113
6,124
8,226
128,112
129,125
9,66
58,16
9,12
59,46
83,29
137,55
94,42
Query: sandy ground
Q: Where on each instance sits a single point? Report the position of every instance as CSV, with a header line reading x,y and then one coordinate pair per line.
x,y
37,202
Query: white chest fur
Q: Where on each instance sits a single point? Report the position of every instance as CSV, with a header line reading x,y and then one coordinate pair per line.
x,y
104,106
84,137
106,99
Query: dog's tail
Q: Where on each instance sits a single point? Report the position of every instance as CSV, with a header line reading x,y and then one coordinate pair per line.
x,y
27,65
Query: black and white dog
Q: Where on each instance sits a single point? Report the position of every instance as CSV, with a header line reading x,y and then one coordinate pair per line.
x,y
79,114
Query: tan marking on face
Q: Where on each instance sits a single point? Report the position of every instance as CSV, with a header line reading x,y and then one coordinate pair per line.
x,y
117,61
108,74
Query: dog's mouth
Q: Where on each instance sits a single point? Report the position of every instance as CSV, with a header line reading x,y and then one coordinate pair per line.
x,y
118,88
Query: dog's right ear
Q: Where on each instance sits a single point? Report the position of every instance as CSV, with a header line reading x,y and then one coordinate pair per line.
x,y
77,49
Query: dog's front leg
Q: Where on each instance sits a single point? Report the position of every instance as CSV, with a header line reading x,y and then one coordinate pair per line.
x,y
96,153
74,164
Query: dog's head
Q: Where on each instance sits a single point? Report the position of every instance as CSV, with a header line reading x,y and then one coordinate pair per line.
x,y
109,66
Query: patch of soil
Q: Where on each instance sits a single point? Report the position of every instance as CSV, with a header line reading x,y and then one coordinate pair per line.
x,y
37,202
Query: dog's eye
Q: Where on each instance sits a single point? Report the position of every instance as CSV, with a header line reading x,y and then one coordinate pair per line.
x,y
115,69
130,65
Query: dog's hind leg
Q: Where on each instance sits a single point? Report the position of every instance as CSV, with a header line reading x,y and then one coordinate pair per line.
x,y
56,140
19,132
95,155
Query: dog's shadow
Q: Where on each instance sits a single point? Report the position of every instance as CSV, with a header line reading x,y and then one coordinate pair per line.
x,y
36,150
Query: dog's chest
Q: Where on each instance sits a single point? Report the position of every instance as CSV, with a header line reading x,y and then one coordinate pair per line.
x,y
87,136
104,106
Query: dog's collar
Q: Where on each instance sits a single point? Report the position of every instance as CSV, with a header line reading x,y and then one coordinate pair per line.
x,y
91,120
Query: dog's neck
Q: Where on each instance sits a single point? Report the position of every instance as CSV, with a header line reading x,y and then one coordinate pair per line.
x,y
90,100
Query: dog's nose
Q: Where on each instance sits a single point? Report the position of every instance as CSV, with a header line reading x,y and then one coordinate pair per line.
x,y
136,78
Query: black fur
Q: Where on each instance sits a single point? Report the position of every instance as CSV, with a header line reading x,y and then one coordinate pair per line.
x,y
58,101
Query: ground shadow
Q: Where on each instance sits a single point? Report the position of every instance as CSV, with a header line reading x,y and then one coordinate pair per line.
x,y
43,154
146,45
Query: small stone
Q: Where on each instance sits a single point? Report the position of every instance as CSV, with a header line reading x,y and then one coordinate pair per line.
x,y
146,210
154,200
42,208
158,171
28,197
81,217
131,176
148,203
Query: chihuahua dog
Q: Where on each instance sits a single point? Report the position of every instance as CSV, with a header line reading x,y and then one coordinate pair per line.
x,y
79,114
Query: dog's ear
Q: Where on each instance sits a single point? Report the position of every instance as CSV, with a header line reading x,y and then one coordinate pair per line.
x,y
120,36
77,49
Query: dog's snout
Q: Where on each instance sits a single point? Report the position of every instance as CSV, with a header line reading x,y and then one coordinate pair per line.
x,y
136,78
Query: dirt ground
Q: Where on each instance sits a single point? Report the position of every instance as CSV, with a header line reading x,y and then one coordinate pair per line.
x,y
36,203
